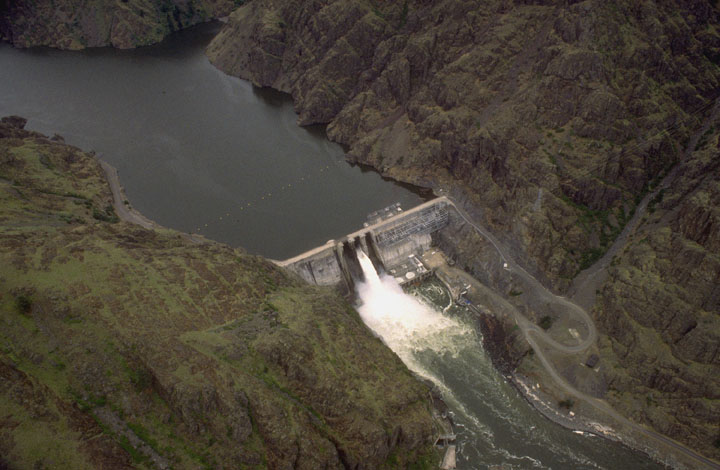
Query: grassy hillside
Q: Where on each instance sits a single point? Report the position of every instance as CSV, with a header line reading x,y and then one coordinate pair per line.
x,y
123,347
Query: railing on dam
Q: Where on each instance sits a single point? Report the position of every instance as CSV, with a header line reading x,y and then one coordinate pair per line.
x,y
387,242
428,220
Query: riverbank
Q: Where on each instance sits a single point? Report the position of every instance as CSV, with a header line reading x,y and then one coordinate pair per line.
x,y
525,367
495,336
126,212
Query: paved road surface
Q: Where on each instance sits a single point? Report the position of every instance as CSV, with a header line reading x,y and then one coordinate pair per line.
x,y
534,333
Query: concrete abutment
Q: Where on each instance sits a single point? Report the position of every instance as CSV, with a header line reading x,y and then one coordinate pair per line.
x,y
389,243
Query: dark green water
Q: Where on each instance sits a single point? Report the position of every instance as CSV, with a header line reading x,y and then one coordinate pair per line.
x,y
193,145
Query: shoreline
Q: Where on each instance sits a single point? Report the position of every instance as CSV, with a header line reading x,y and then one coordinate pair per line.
x,y
127,213
576,422
543,405
503,365
583,425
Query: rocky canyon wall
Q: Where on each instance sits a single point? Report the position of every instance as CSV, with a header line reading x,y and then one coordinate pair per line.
x,y
550,120
124,24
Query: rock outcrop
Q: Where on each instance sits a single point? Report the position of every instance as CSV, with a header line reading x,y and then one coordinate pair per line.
x,y
124,347
548,121
123,24
552,116
660,308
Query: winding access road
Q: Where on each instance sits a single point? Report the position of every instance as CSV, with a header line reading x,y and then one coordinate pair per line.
x,y
123,211
538,291
534,333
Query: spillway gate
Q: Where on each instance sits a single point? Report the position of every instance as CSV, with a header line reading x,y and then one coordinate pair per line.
x,y
389,242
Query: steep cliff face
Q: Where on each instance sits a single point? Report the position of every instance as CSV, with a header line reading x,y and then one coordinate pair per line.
x,y
552,116
124,347
661,308
92,23
549,121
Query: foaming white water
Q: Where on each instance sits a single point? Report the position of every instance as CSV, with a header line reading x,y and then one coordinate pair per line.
x,y
409,327
403,322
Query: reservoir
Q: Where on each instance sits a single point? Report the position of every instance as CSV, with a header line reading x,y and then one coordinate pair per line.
x,y
197,150
206,153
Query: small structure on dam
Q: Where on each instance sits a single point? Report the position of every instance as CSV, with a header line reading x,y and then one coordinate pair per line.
x,y
392,238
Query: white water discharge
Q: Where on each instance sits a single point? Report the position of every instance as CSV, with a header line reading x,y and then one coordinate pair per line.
x,y
412,329
405,324
496,427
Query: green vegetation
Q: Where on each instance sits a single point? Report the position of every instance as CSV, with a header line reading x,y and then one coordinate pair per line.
x,y
45,161
143,434
23,304
108,215
567,403
404,14
650,400
702,142
207,355
141,378
137,456
546,322
591,220
657,199
589,257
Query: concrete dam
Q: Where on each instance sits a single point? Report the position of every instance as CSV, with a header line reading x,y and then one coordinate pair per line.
x,y
393,240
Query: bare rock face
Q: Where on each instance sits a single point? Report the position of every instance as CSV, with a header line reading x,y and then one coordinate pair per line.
x,y
548,120
505,98
92,23
661,307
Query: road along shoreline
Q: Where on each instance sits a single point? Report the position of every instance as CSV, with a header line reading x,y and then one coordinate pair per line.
x,y
129,214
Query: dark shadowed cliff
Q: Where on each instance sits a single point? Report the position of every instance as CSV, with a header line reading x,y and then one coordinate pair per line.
x,y
124,24
124,347
549,121
660,308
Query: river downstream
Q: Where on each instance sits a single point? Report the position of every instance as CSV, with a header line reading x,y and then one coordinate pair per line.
x,y
206,153
496,428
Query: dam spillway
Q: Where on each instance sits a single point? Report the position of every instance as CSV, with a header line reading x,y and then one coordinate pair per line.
x,y
390,238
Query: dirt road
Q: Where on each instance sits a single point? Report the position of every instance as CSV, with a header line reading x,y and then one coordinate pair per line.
x,y
534,334
127,213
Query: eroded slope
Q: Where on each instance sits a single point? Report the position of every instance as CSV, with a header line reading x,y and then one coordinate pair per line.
x,y
549,121
123,346
124,24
